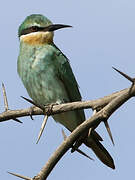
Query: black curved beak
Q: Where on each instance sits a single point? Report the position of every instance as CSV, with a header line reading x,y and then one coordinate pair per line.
x,y
54,27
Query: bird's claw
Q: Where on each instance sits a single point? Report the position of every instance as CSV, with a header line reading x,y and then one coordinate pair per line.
x,y
31,112
48,108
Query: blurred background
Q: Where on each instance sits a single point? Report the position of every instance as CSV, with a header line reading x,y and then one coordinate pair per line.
x,y
103,35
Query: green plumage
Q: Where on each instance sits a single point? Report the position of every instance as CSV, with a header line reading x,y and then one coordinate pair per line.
x,y
34,20
48,78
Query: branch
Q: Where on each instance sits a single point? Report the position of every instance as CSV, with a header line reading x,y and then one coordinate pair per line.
x,y
93,104
102,115
104,109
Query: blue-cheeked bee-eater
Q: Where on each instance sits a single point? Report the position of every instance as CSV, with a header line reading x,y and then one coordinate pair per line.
x,y
47,75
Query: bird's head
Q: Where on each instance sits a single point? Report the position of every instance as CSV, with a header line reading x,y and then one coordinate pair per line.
x,y
37,29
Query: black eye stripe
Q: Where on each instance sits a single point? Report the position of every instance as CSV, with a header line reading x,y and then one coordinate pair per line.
x,y
31,29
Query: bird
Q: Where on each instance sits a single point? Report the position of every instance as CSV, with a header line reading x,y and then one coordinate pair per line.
x,y
48,77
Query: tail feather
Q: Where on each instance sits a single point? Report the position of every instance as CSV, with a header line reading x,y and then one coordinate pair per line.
x,y
100,151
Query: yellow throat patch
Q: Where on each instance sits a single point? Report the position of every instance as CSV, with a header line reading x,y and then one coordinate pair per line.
x,y
37,38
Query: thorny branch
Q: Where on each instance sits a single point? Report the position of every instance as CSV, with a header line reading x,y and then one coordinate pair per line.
x,y
104,106
93,104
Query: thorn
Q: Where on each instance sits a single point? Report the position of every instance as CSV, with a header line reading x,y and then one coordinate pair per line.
x,y
94,112
31,117
6,102
64,135
20,176
84,154
75,149
131,87
5,97
97,136
42,128
109,131
125,75
17,120
32,102
89,132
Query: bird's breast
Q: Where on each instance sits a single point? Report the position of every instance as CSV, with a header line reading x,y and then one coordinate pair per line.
x,y
38,71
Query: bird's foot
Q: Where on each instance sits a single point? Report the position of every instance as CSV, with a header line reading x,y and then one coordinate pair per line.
x,y
31,111
48,108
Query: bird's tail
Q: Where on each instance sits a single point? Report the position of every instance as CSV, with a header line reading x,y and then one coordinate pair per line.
x,y
100,151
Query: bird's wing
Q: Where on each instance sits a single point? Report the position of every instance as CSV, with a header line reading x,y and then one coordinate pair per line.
x,y
65,74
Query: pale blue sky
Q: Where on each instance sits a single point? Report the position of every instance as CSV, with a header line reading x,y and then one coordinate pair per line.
x,y
103,35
